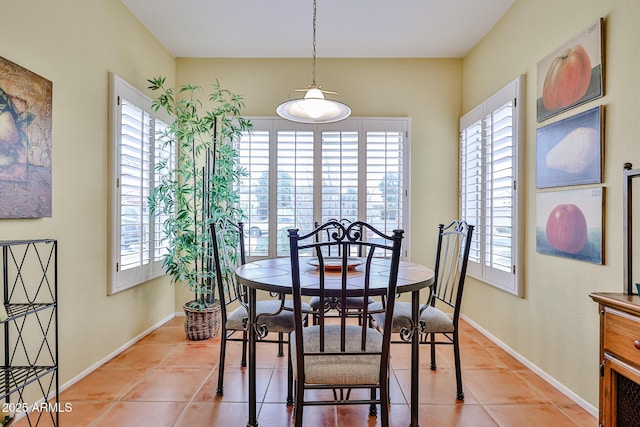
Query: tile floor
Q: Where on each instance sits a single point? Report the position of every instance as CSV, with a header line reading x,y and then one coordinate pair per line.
x,y
165,380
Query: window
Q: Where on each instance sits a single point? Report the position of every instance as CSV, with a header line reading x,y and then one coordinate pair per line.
x,y
489,153
299,174
136,238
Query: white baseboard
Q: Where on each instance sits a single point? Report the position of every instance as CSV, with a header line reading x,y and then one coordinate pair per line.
x,y
542,374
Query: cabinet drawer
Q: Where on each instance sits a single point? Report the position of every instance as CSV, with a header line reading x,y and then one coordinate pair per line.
x,y
622,335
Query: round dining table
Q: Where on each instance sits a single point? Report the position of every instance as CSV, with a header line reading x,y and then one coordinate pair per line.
x,y
274,275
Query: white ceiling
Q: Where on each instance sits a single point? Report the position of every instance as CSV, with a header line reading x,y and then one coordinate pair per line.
x,y
345,28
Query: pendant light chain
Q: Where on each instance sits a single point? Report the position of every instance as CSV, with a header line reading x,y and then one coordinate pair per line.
x,y
314,42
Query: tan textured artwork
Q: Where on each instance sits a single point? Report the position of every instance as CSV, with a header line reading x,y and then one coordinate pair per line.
x,y
25,142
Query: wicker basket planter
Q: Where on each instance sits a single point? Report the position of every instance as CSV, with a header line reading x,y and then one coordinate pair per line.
x,y
202,324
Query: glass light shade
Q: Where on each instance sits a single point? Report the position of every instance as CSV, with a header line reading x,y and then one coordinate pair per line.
x,y
313,108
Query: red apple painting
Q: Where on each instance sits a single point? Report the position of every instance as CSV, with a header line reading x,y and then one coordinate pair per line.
x,y
572,74
566,229
569,224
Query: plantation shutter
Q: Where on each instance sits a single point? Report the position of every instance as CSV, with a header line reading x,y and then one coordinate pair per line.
x,y
137,242
471,185
499,181
165,154
135,167
488,186
385,180
339,176
294,185
303,173
253,151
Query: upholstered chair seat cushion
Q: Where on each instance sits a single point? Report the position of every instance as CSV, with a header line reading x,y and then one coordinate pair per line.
x,y
281,322
339,369
434,319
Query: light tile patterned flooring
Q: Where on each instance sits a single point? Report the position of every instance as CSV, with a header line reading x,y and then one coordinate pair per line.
x,y
165,380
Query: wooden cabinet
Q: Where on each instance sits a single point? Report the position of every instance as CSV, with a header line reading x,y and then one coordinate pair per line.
x,y
619,359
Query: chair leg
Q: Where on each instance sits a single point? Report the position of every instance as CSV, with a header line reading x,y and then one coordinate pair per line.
x,y
456,355
280,344
289,379
223,353
243,361
298,405
384,404
433,351
373,410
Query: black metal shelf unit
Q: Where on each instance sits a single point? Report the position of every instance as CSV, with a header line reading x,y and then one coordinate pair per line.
x,y
29,381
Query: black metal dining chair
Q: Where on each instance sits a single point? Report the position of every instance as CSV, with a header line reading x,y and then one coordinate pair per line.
x,y
340,355
274,315
452,255
354,306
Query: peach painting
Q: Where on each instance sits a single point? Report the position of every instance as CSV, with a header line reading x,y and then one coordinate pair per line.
x,y
25,142
572,74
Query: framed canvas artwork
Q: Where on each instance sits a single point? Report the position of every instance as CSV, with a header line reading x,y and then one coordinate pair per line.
x,y
569,151
571,75
25,142
569,224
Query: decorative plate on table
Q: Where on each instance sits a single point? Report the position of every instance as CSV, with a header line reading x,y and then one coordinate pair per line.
x,y
335,263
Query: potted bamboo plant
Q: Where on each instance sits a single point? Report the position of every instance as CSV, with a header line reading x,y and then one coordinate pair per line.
x,y
197,189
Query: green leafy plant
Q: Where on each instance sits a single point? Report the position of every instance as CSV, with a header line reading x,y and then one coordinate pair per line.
x,y
200,187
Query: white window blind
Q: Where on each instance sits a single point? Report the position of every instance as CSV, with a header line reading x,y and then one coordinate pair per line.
x,y
136,241
471,182
135,168
253,151
499,180
489,136
339,175
354,169
164,165
384,180
294,185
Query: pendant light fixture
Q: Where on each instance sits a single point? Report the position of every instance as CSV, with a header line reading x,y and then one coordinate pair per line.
x,y
314,107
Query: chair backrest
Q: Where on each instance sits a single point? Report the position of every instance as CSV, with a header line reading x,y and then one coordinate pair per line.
x,y
227,241
452,255
328,232
339,284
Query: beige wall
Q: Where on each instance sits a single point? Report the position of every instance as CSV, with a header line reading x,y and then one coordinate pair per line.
x,y
49,39
556,325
